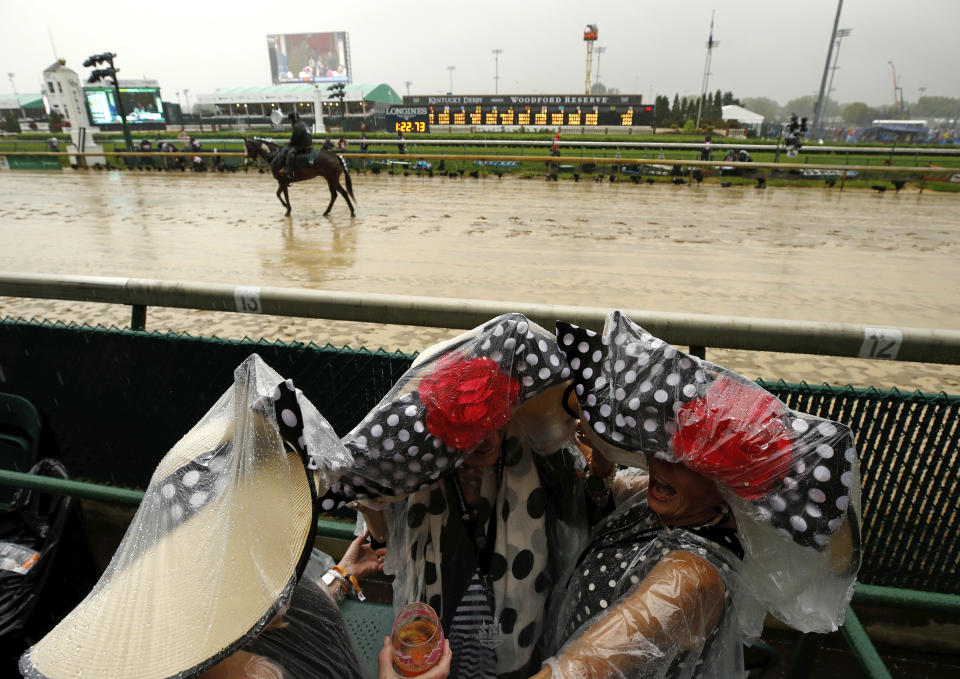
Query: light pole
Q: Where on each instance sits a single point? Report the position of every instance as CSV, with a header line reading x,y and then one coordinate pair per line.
x,y
408,83
600,51
496,69
111,71
818,108
451,69
841,34
10,75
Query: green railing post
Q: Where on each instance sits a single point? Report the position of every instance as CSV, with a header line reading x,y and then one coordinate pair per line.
x,y
337,530
138,317
862,648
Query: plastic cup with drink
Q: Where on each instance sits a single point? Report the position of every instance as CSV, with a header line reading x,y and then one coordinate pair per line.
x,y
417,639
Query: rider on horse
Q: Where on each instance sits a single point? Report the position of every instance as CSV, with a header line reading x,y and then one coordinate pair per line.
x,y
300,141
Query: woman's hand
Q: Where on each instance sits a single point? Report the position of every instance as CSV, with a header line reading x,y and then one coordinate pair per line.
x,y
361,560
439,671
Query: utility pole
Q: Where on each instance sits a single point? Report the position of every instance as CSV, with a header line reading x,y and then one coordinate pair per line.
x,y
818,109
496,69
711,43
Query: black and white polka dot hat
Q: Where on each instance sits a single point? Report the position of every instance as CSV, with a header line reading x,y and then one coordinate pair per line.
x,y
797,472
455,395
224,530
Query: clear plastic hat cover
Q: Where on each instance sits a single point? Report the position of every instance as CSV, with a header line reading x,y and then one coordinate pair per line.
x,y
215,548
792,479
448,402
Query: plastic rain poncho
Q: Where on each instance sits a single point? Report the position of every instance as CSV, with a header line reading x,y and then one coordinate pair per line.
x,y
216,546
508,373
680,602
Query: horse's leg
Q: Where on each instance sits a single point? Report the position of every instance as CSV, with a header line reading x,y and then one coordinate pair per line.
x,y
333,197
286,195
282,189
343,192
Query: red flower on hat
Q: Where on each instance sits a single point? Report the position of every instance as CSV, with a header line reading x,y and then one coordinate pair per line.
x,y
467,400
735,434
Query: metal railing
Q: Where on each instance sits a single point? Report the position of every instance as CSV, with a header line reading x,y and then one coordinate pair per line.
x,y
697,331
842,170
757,147
126,496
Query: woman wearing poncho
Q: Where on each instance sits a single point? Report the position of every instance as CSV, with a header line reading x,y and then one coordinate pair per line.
x,y
751,507
473,444
215,576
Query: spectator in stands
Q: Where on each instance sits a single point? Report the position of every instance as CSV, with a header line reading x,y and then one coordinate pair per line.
x,y
216,575
478,541
748,507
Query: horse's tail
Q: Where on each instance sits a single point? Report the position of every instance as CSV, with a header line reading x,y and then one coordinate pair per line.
x,y
346,174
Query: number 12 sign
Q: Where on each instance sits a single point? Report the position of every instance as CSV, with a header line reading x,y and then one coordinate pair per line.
x,y
881,343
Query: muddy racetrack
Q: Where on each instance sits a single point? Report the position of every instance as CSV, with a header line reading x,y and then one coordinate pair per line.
x,y
807,253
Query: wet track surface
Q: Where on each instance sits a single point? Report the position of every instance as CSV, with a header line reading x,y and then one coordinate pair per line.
x,y
807,253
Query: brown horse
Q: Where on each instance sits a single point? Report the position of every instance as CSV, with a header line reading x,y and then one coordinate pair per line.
x,y
328,165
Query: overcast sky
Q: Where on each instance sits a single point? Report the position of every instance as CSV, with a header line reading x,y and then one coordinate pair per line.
x,y
774,49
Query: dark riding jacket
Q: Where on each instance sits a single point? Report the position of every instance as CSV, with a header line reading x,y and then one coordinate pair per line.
x,y
301,139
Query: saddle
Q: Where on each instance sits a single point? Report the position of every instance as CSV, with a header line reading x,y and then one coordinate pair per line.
x,y
306,159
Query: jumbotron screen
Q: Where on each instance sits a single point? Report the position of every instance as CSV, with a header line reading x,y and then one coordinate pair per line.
x,y
309,57
535,110
141,105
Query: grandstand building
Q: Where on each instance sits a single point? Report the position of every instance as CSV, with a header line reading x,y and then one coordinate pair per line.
x,y
363,104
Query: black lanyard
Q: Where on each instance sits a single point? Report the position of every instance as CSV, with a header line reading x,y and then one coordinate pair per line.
x,y
485,552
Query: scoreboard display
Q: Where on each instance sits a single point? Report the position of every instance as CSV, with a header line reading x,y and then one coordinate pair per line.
x,y
534,110
408,119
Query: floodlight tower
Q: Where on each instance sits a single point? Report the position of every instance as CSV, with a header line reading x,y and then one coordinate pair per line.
x,y
589,37
711,43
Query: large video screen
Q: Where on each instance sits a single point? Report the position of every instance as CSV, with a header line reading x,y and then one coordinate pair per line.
x,y
141,105
309,57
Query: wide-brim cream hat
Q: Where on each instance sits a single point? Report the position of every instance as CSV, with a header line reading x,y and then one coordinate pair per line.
x,y
216,547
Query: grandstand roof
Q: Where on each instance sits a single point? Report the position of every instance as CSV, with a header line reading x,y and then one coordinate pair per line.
x,y
381,93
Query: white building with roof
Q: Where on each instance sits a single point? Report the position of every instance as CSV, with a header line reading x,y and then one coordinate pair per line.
x,y
743,116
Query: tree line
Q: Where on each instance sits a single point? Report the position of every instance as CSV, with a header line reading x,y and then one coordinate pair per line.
x,y
677,112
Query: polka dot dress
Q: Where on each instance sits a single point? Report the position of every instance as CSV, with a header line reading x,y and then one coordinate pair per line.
x,y
633,387
521,567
